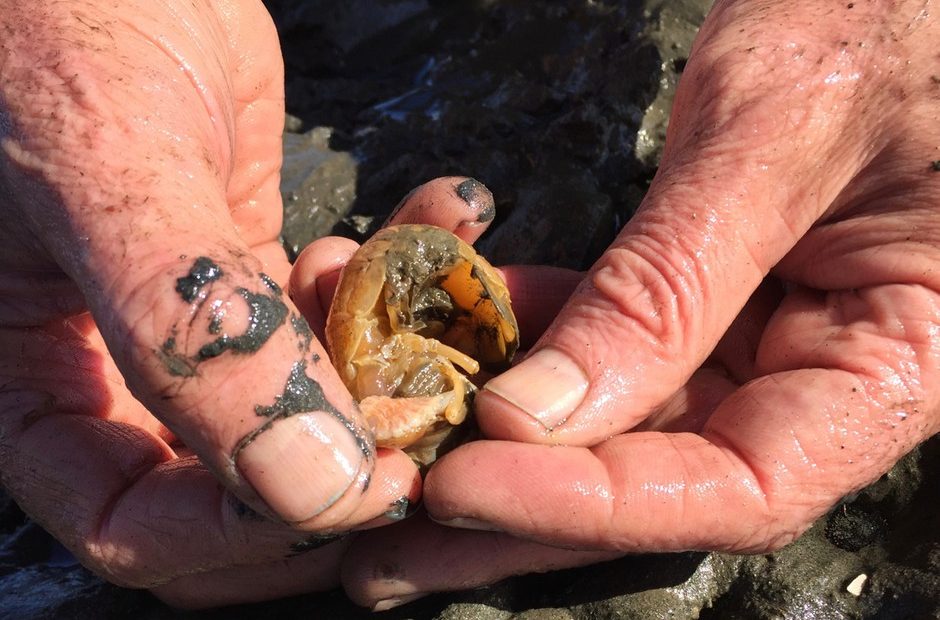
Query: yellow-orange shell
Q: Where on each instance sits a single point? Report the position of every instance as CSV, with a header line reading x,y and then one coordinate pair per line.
x,y
413,302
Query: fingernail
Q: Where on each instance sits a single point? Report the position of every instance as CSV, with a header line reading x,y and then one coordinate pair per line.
x,y
466,523
547,385
302,464
391,603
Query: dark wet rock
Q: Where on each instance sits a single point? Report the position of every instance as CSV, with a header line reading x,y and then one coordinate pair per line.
x,y
41,579
68,593
578,207
342,24
887,532
318,186
532,100
852,527
671,26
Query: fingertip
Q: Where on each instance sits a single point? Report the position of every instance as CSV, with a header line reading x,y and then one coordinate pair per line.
x,y
459,204
376,567
308,571
397,601
500,419
481,209
323,256
394,491
315,275
534,397
471,483
316,484
406,561
304,465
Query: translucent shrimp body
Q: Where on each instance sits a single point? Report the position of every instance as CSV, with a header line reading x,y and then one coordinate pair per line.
x,y
414,307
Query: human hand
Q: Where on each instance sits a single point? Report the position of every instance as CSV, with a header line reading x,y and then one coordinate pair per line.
x,y
139,181
801,146
464,207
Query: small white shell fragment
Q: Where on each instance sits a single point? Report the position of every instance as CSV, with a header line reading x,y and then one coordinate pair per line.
x,y
855,586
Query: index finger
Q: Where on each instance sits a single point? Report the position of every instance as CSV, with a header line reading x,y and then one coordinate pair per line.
x,y
461,205
760,473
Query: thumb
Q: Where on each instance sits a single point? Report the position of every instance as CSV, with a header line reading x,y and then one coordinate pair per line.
x,y
751,162
127,193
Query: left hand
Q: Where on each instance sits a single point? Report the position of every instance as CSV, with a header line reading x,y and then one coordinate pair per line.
x,y
717,408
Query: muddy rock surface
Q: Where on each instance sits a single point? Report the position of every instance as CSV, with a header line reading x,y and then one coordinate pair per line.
x,y
560,108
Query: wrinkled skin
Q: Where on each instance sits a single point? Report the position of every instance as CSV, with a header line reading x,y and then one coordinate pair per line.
x,y
790,153
701,403
144,358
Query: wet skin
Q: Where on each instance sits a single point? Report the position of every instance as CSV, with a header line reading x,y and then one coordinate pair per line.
x,y
802,147
759,341
164,408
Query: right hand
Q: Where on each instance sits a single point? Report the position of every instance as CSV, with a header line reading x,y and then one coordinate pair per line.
x,y
139,158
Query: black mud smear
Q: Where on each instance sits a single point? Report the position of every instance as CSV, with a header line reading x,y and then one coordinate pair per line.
x,y
175,363
479,197
203,271
244,511
400,509
303,395
303,331
215,324
266,314
269,282
312,542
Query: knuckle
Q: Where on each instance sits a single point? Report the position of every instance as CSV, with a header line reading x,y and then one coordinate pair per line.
x,y
167,323
655,288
